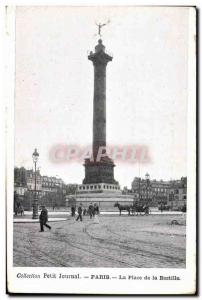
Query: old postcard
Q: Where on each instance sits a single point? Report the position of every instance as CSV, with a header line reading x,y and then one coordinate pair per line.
x,y
101,152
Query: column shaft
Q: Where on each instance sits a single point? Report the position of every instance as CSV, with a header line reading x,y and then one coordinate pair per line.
x,y
99,107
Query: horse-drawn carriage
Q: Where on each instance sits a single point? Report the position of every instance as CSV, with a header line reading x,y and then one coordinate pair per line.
x,y
133,209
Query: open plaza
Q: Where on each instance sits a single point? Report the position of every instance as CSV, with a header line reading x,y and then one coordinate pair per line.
x,y
153,241
100,237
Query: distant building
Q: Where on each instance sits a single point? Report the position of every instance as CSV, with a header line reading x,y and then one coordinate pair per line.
x,y
30,178
178,193
20,176
144,190
171,193
51,184
20,182
51,190
44,184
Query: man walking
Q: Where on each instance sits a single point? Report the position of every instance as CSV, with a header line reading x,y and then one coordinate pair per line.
x,y
79,213
73,209
44,218
90,210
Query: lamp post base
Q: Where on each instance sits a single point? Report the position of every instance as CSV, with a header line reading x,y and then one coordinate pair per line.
x,y
35,216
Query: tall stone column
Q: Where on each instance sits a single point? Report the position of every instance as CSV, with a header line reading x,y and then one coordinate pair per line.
x,y
100,60
103,170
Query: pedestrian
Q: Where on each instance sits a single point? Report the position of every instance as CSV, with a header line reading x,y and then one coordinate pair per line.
x,y
95,214
96,209
91,210
44,218
73,209
79,213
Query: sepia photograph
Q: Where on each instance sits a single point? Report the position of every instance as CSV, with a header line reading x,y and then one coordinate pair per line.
x,y
103,165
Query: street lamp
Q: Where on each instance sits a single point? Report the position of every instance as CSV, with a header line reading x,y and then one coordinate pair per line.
x,y
35,157
147,177
139,192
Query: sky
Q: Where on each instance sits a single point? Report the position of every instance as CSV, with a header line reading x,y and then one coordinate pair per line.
x,y
146,86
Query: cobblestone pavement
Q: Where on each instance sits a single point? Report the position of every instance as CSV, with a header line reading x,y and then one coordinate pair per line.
x,y
116,241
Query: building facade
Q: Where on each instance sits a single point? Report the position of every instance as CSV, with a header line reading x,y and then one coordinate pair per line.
x,y
30,179
171,194
50,190
178,193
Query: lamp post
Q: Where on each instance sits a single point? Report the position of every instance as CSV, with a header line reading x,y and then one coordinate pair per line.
x,y
35,157
147,177
139,189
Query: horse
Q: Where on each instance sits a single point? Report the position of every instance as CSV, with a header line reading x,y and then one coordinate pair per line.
x,y
140,209
123,207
